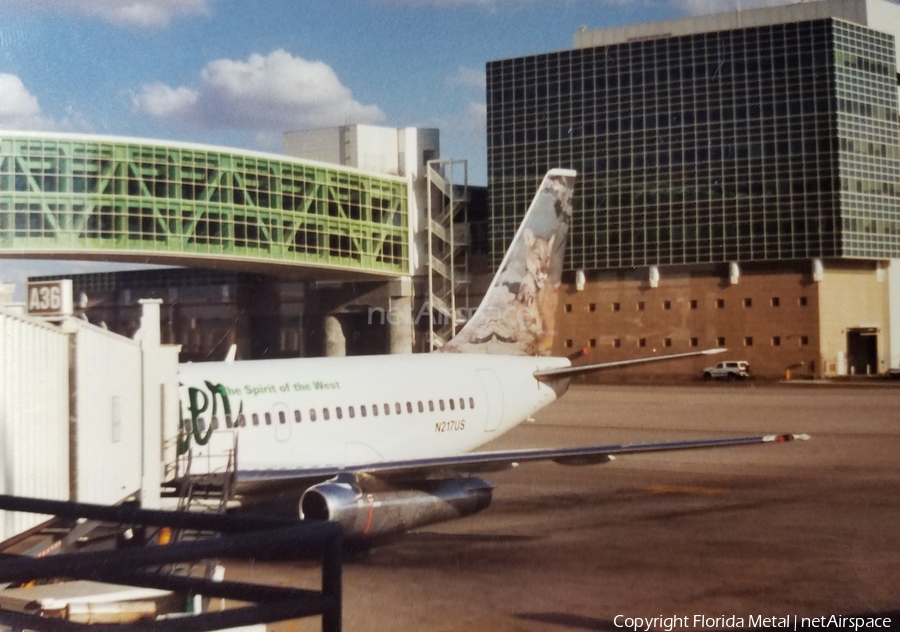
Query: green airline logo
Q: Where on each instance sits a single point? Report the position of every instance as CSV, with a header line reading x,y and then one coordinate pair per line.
x,y
198,403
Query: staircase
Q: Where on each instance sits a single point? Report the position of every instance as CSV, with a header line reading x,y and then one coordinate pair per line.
x,y
448,244
210,490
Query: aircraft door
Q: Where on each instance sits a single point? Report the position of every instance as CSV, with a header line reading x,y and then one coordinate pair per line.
x,y
282,418
493,397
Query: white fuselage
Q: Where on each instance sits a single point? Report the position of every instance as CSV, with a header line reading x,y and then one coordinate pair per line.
x,y
336,412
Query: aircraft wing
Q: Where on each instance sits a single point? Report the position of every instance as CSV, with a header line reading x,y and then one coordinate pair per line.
x,y
474,462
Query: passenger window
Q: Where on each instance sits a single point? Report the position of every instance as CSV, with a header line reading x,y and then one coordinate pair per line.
x,y
471,402
338,412
441,404
409,407
201,424
351,412
396,408
375,410
452,405
387,409
297,416
462,404
268,419
255,419
362,410
421,407
228,423
325,414
215,423
430,406
312,414
282,418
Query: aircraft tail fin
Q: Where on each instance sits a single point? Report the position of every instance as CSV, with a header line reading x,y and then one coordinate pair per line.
x,y
517,315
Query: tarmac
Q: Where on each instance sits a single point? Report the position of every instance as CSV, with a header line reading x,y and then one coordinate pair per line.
x,y
803,529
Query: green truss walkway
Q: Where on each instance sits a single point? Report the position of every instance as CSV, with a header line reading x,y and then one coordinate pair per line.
x,y
95,197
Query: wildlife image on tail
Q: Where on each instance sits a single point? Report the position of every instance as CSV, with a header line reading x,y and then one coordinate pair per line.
x,y
517,316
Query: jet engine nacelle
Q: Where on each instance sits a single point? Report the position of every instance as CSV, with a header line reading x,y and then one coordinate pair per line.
x,y
368,515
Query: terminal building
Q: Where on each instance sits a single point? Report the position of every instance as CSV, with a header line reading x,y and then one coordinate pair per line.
x,y
354,241
739,184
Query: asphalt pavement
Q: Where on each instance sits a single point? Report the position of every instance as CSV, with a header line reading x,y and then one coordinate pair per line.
x,y
734,536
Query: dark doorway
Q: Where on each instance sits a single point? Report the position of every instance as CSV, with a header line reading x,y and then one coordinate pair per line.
x,y
366,334
862,351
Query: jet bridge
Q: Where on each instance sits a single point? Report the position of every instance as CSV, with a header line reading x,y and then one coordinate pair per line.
x,y
83,411
88,420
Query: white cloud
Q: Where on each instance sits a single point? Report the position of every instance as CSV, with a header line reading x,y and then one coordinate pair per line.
x,y
140,13
451,3
469,123
161,101
463,138
276,92
19,109
473,120
440,3
468,78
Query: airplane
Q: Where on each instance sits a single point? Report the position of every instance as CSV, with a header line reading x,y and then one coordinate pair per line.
x,y
384,444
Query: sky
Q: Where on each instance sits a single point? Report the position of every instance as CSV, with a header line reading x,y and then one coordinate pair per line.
x,y
239,73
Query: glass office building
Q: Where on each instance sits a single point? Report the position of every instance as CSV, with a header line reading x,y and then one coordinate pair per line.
x,y
772,143
738,185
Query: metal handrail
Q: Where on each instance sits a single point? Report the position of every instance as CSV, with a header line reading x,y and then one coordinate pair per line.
x,y
243,536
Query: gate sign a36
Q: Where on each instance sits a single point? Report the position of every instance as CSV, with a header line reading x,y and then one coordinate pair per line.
x,y
50,298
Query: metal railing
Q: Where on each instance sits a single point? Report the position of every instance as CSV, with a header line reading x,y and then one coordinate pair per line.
x,y
242,536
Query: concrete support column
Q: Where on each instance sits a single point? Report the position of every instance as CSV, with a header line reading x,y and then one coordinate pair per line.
x,y
893,313
818,270
153,370
401,316
335,340
734,272
6,293
400,330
